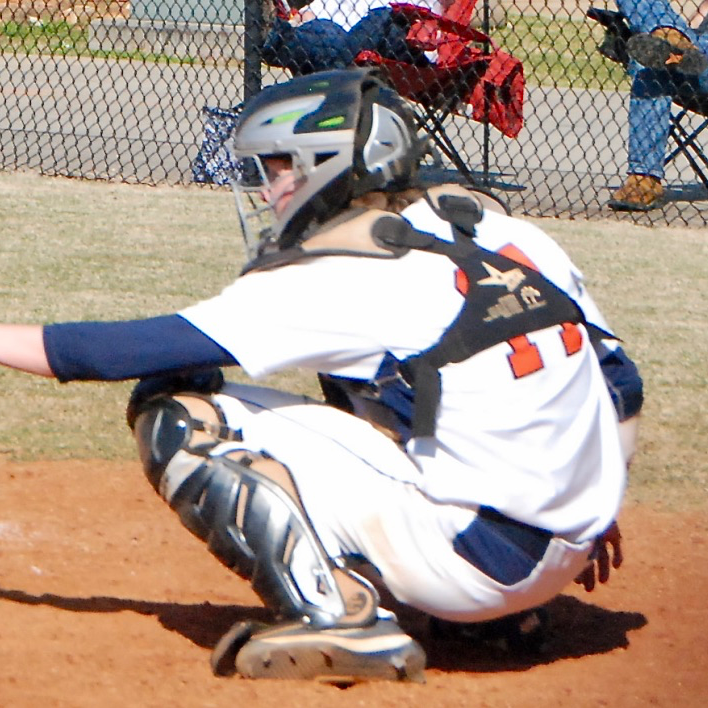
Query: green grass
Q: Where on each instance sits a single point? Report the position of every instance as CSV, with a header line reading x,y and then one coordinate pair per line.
x,y
560,52
61,38
652,283
76,249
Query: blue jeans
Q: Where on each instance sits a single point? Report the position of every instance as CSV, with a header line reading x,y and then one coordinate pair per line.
x,y
317,45
650,98
320,45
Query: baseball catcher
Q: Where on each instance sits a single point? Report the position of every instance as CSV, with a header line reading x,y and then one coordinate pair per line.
x,y
470,454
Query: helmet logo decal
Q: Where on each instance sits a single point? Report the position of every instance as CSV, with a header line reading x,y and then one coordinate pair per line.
x,y
331,122
288,117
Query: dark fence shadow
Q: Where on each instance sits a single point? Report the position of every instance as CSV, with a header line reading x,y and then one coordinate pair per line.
x,y
687,193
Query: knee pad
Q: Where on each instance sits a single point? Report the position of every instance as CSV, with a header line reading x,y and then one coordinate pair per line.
x,y
166,425
246,508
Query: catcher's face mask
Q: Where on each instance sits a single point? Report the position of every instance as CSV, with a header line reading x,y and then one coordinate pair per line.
x,y
283,182
345,133
264,188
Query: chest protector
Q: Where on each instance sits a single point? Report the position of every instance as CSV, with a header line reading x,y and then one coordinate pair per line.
x,y
503,298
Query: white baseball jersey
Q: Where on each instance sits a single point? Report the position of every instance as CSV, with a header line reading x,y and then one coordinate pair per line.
x,y
541,447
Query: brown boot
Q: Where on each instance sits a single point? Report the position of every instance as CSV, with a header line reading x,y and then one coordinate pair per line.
x,y
673,37
667,48
638,193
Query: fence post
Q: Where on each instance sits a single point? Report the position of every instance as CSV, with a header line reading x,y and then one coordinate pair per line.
x,y
485,128
253,22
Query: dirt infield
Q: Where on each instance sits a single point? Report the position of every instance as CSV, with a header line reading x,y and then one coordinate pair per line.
x,y
105,600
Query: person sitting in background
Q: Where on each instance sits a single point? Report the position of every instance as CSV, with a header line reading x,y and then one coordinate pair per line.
x,y
328,34
668,56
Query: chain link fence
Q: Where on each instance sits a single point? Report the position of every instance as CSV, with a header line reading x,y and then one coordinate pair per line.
x,y
116,90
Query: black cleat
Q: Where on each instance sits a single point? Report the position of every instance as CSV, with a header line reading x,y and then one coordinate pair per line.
x,y
520,634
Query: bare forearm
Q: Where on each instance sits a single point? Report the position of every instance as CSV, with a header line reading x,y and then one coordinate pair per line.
x,y
22,347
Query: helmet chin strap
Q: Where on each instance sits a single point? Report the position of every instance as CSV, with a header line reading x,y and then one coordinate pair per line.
x,y
321,207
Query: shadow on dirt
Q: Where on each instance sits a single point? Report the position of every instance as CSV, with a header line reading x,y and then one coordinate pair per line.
x,y
203,624
575,629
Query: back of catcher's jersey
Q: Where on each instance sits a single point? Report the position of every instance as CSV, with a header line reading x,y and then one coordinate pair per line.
x,y
526,427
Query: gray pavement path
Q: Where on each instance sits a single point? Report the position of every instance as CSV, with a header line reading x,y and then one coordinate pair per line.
x,y
145,125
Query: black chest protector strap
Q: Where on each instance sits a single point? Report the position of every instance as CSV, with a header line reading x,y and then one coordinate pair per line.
x,y
504,299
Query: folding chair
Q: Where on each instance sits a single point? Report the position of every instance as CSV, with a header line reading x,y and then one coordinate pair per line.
x,y
685,139
469,76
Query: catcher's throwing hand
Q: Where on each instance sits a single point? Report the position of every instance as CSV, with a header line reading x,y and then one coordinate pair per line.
x,y
599,567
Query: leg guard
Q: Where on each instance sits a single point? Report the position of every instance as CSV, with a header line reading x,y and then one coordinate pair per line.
x,y
247,509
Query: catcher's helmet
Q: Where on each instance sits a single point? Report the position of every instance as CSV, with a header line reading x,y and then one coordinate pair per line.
x,y
346,133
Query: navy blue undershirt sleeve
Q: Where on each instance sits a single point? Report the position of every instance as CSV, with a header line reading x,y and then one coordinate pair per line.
x,y
116,351
623,382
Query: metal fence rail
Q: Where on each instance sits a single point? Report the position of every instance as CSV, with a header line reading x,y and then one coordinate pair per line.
x,y
115,90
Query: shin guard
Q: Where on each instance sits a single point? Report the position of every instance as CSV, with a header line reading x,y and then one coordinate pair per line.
x,y
247,509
